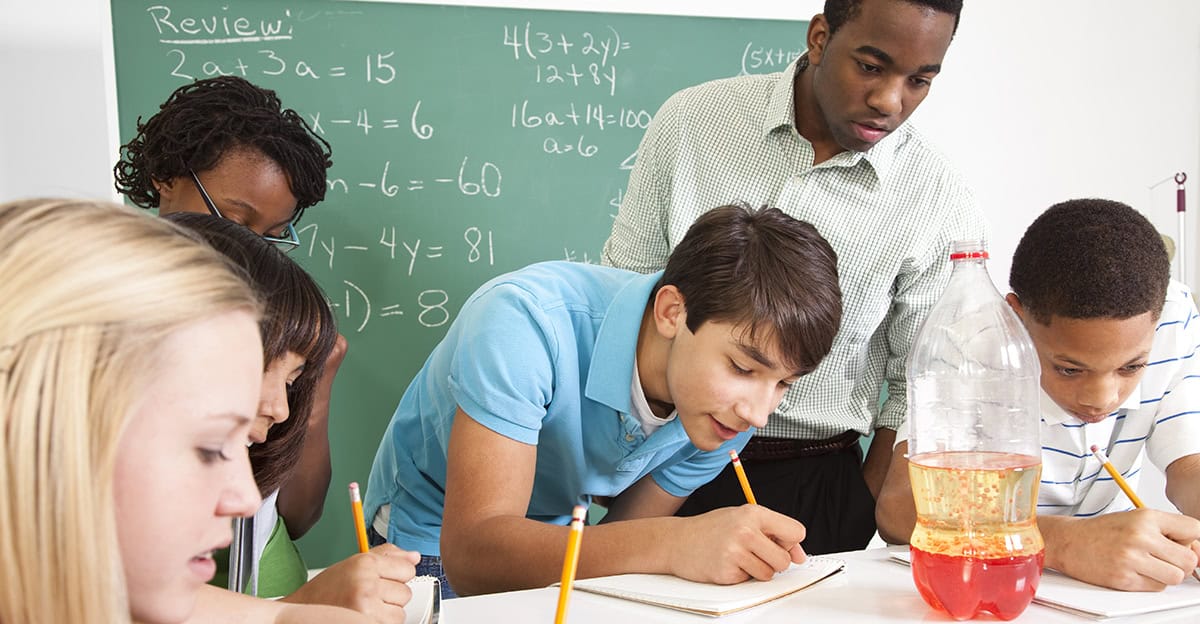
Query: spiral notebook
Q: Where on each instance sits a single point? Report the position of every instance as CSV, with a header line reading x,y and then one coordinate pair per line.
x,y
1060,591
706,599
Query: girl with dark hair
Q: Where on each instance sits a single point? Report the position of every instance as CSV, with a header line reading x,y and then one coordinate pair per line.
x,y
298,333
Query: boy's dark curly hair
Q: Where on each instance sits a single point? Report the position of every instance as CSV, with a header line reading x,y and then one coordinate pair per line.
x,y
1090,258
200,122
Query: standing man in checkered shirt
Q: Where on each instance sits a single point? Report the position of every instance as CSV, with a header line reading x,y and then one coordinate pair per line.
x,y
825,141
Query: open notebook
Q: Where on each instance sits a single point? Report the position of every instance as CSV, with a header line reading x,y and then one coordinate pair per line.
x,y
1063,592
706,599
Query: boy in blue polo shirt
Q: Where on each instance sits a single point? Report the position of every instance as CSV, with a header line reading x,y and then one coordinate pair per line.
x,y
1117,341
562,383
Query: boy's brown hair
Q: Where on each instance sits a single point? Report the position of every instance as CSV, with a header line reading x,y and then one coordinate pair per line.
x,y
763,271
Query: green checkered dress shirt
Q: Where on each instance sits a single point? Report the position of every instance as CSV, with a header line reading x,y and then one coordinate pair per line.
x,y
889,213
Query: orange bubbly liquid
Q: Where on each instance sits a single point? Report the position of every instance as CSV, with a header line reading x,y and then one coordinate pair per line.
x,y
976,546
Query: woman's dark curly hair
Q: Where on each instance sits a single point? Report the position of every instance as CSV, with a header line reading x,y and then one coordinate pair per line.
x,y
203,121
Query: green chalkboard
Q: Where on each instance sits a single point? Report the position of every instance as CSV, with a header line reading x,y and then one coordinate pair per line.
x,y
467,142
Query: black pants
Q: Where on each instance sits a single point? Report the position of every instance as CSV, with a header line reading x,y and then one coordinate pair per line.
x,y
826,493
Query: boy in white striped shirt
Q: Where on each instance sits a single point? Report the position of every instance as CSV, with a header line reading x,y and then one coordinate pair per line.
x,y
1117,340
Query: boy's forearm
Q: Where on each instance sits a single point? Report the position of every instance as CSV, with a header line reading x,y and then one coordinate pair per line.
x,y
1183,485
511,553
895,511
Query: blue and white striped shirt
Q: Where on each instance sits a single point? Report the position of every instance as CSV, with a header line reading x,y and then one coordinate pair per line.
x,y
1161,418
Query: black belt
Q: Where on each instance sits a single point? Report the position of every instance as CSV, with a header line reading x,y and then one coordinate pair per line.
x,y
772,449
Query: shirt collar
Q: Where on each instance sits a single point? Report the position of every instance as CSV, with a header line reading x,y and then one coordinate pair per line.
x,y
1052,414
613,356
781,117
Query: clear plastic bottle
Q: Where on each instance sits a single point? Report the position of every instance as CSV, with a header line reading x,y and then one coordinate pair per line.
x,y
974,449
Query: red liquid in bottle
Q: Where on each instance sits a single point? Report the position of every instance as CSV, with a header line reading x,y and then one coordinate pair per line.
x,y
976,546
965,586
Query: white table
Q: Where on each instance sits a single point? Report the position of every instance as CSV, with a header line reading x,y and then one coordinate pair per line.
x,y
871,589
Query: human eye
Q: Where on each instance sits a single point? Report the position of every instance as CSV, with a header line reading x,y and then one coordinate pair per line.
x,y
920,81
868,68
738,369
210,455
1132,369
786,383
1067,371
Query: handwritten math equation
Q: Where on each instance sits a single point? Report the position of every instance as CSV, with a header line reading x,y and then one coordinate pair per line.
x,y
428,308
484,180
375,68
595,53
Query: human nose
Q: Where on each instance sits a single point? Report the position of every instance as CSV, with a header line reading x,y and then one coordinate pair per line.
x,y
887,98
273,405
240,496
1102,394
758,404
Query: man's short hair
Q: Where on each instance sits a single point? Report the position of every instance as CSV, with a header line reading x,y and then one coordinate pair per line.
x,y
1090,258
838,12
761,270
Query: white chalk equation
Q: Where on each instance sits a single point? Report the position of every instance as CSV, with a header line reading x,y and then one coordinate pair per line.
x,y
529,43
361,121
428,307
596,115
476,246
373,68
757,59
484,179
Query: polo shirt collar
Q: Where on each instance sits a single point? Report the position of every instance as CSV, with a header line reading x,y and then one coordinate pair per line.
x,y
611,367
1052,414
781,115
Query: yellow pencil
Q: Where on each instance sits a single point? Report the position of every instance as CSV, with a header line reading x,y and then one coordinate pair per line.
x,y
360,526
1116,477
570,563
1121,483
741,475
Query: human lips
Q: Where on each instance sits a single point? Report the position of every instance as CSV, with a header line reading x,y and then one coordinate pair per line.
x,y
1089,416
723,432
869,132
203,566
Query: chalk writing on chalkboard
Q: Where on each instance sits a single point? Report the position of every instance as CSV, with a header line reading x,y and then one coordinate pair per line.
x,y
467,142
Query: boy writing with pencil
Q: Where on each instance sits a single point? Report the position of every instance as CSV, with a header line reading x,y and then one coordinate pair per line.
x,y
1117,341
562,382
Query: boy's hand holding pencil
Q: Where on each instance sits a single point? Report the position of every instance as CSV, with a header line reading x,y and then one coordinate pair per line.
x,y
1133,497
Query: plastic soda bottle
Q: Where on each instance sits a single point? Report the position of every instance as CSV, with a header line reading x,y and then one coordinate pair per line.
x,y
974,449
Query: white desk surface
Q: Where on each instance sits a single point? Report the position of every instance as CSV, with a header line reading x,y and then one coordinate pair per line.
x,y
871,589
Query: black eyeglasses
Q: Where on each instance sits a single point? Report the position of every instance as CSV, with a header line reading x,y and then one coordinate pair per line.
x,y
289,241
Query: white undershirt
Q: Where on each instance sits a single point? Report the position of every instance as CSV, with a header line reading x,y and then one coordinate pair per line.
x,y
641,408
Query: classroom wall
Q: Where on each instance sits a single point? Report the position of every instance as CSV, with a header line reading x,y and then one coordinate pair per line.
x,y
1038,102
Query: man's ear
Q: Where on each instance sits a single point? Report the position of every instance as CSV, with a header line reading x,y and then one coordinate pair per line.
x,y
817,39
1014,302
670,313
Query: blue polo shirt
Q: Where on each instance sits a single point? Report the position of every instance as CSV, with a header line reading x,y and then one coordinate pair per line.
x,y
544,356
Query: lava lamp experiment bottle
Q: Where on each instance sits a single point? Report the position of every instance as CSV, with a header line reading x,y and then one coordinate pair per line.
x,y
974,449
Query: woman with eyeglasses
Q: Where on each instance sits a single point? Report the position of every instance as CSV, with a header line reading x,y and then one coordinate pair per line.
x,y
126,402
298,332
227,147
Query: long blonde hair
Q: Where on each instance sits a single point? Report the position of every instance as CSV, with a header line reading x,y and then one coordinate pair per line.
x,y
88,290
